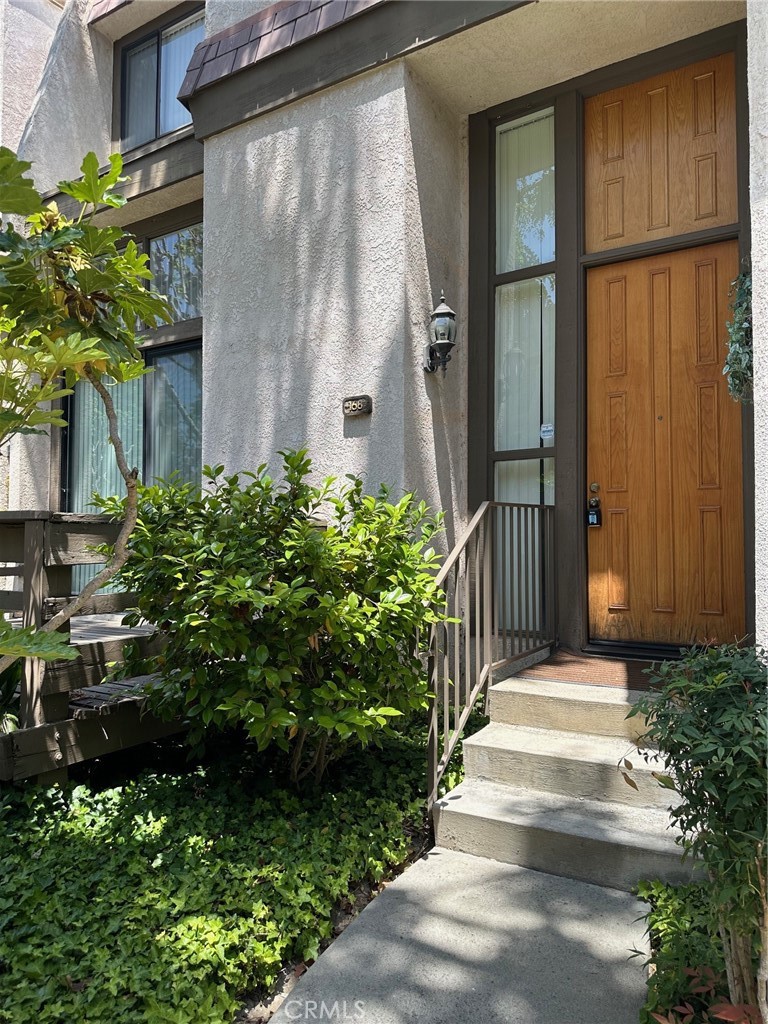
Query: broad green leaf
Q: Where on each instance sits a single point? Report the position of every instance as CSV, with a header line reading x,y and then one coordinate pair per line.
x,y
31,643
17,193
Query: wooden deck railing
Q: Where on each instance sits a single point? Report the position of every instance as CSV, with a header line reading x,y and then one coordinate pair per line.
x,y
499,585
41,549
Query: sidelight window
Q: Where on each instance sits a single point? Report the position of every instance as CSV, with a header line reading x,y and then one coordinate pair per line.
x,y
523,409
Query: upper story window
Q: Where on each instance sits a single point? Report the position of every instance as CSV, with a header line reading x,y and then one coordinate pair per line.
x,y
160,414
176,262
153,70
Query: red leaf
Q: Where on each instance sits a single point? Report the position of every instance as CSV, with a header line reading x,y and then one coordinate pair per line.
x,y
662,1020
726,1012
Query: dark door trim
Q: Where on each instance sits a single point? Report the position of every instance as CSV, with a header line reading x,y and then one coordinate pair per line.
x,y
570,267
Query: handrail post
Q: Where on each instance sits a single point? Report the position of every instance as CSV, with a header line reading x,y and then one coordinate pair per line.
x,y
433,729
518,591
553,576
488,597
33,583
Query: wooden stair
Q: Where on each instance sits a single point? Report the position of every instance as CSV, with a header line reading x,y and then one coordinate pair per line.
x,y
86,717
107,698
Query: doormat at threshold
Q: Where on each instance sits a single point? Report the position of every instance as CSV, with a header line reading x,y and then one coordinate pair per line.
x,y
579,668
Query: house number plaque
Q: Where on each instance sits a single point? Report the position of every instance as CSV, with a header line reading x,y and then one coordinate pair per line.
x,y
358,405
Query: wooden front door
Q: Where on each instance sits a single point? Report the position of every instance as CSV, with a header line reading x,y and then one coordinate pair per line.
x,y
664,451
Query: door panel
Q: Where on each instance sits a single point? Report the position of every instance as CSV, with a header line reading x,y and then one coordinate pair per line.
x,y
661,156
664,445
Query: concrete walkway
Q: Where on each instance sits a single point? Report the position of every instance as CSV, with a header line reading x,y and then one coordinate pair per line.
x,y
459,939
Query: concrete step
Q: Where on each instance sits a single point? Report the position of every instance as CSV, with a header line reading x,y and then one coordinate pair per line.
x,y
609,844
572,763
573,707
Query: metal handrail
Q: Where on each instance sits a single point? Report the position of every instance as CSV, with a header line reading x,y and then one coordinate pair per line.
x,y
498,584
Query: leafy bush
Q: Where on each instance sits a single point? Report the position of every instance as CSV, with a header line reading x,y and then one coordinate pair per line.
x,y
710,721
683,936
304,635
738,362
167,899
701,1003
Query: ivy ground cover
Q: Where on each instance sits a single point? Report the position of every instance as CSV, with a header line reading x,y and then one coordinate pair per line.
x,y
167,898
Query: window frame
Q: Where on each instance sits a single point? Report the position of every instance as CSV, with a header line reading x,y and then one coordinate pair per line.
x,y
570,326
155,227
181,336
153,29
496,280
151,354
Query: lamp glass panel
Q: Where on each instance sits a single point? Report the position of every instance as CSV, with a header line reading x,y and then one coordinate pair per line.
x,y
525,364
525,192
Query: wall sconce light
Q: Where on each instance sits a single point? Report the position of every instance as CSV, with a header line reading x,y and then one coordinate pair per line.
x,y
442,337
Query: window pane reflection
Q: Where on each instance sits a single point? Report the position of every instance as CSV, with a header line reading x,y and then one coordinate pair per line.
x,y
140,91
176,262
177,44
525,192
530,481
525,364
176,415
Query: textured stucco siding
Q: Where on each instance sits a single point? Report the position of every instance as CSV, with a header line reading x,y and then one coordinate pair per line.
x,y
69,115
552,41
757,42
27,28
322,258
72,113
220,14
436,207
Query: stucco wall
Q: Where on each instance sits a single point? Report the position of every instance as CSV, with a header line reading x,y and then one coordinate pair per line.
x,y
220,14
72,113
26,31
435,405
322,258
551,41
757,42
27,27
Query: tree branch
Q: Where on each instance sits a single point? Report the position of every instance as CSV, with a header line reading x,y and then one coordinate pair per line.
x,y
120,553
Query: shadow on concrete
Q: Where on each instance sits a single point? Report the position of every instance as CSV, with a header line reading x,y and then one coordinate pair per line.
x,y
459,938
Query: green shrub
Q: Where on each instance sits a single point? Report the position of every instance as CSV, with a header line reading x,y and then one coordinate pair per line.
x,y
304,635
167,899
710,721
738,362
683,937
